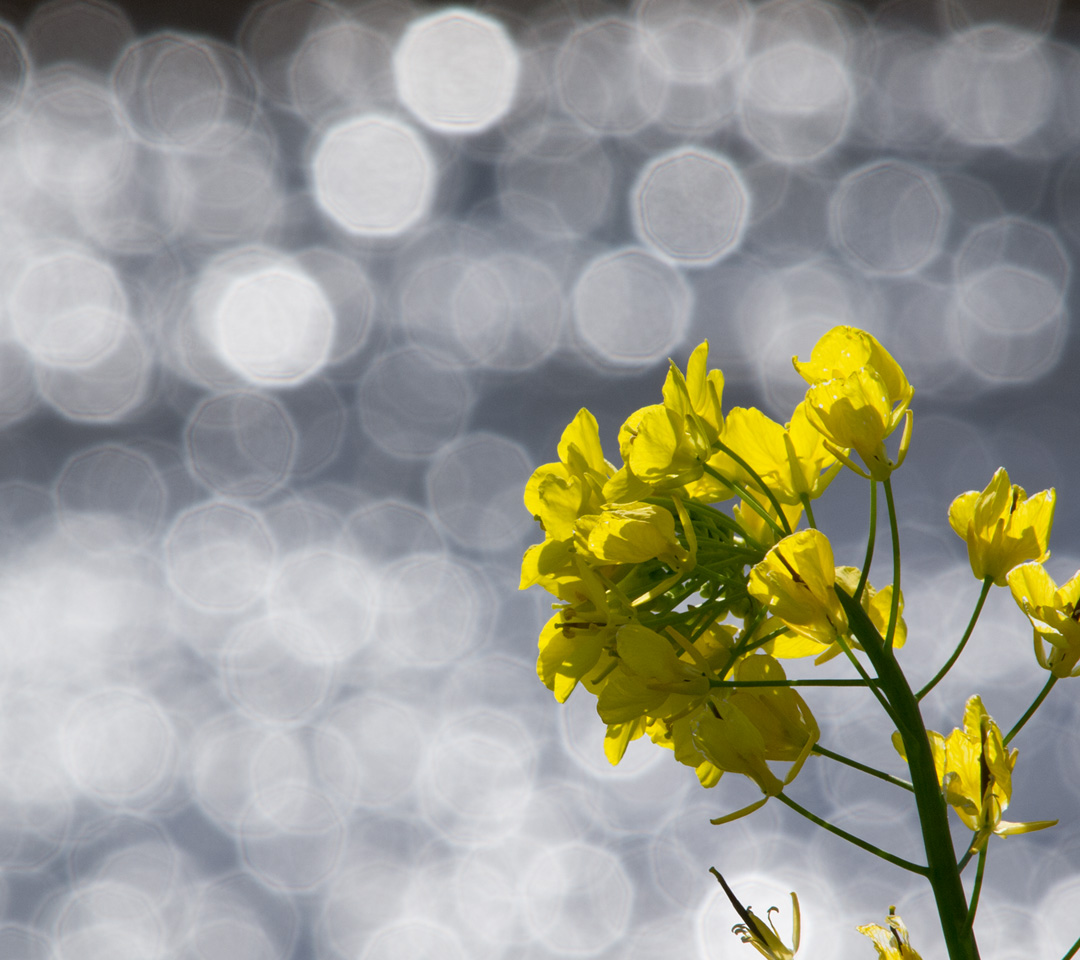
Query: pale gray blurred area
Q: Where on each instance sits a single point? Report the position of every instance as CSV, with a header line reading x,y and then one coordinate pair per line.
x,y
291,311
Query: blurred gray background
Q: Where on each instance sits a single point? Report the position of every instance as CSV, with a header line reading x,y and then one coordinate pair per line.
x,y
295,295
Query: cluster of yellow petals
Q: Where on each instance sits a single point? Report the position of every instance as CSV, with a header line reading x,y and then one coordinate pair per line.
x,y
892,941
1054,612
975,769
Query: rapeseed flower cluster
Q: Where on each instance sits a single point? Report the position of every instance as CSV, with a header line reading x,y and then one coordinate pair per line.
x,y
676,613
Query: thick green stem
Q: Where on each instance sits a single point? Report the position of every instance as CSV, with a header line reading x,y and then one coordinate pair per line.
x,y
851,838
873,771
933,812
1035,704
847,682
871,537
987,584
1072,951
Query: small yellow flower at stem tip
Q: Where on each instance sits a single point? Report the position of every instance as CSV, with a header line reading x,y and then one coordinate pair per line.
x,y
1003,526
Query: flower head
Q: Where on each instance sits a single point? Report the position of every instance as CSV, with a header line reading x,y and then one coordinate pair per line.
x,y
975,772
1054,612
891,941
1003,527
858,396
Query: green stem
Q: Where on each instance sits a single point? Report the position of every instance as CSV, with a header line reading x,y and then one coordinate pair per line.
x,y
977,889
987,584
894,530
723,448
851,838
1072,951
750,500
870,682
805,500
1035,704
873,771
870,538
788,683
942,872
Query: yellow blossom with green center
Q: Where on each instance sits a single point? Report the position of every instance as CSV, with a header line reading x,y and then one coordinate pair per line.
x,y
1054,612
975,771
1003,526
892,941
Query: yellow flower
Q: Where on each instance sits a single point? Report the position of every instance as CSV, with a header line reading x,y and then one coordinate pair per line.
x,y
765,939
795,582
754,726
891,941
792,459
558,493
1053,612
664,446
1003,527
858,396
633,533
876,603
975,772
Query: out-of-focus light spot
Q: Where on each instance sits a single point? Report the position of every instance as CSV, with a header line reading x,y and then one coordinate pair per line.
x,y
478,776
475,485
241,444
276,669
368,750
1009,318
390,530
992,86
606,80
630,308
373,176
361,899
889,217
342,68
578,899
431,612
18,391
105,391
113,491
13,70
219,557
693,41
1034,17
228,195
691,205
795,102
490,894
503,311
456,70
118,746
329,593
271,32
350,294
409,406
70,139
68,309
186,92
507,311
24,943
414,940
88,32
107,919
274,326
292,838
558,184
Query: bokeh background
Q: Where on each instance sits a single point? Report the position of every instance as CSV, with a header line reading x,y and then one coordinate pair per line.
x,y
295,295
